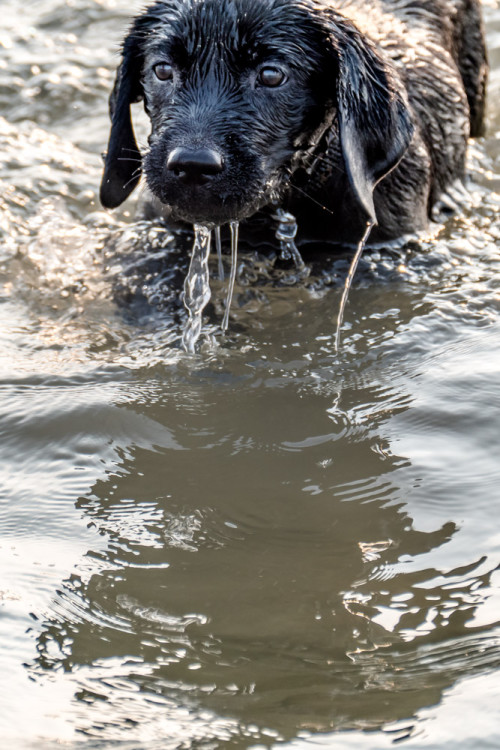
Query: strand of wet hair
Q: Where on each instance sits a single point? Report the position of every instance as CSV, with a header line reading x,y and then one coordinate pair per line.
x,y
348,281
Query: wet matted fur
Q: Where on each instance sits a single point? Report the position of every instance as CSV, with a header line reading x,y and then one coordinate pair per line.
x,y
361,106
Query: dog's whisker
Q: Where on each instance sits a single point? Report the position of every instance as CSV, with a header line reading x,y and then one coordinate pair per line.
x,y
318,158
134,176
303,192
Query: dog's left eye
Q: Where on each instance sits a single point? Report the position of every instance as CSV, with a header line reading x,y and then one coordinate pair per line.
x,y
271,76
163,71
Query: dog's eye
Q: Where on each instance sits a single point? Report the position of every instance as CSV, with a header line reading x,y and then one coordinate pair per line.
x,y
163,71
271,76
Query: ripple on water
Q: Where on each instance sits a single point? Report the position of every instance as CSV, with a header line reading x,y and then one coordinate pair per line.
x,y
265,540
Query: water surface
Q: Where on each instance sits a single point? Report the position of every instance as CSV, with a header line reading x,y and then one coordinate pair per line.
x,y
262,543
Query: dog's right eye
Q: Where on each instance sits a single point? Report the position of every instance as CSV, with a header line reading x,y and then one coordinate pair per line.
x,y
271,76
163,71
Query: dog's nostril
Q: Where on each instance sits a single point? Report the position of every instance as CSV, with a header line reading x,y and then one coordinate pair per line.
x,y
195,165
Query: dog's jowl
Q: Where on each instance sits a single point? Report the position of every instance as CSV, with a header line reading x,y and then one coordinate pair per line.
x,y
363,107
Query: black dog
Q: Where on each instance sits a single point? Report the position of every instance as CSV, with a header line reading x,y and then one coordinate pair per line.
x,y
363,107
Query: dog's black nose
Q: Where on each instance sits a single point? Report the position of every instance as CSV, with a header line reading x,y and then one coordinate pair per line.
x,y
195,165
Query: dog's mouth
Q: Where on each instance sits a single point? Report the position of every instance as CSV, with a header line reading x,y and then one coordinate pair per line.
x,y
204,207
199,204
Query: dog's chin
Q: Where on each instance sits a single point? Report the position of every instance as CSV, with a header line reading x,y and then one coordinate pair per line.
x,y
202,208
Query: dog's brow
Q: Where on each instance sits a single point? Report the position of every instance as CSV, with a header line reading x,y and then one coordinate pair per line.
x,y
159,49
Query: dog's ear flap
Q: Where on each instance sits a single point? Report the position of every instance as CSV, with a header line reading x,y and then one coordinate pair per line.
x,y
122,164
375,123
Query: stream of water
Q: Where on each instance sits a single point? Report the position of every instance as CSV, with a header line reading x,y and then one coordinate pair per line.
x,y
197,286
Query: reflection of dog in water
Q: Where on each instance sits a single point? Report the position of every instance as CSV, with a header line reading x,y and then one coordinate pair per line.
x,y
361,106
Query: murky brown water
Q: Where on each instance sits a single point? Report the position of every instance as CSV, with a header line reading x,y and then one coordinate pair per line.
x,y
265,542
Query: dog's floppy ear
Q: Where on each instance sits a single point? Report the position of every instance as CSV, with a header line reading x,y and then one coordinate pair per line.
x,y
122,165
375,123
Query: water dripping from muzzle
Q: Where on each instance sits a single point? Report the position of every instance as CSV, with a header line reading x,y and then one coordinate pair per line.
x,y
197,286
234,227
285,234
218,245
197,282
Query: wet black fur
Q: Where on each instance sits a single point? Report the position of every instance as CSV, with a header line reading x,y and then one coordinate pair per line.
x,y
372,122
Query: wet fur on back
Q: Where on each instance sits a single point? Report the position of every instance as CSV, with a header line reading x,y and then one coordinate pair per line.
x,y
363,107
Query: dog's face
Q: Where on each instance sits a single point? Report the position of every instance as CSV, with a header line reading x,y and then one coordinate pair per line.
x,y
232,98
239,92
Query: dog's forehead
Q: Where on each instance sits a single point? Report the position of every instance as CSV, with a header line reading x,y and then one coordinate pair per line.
x,y
255,27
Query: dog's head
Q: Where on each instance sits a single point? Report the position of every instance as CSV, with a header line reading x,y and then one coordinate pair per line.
x,y
239,92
